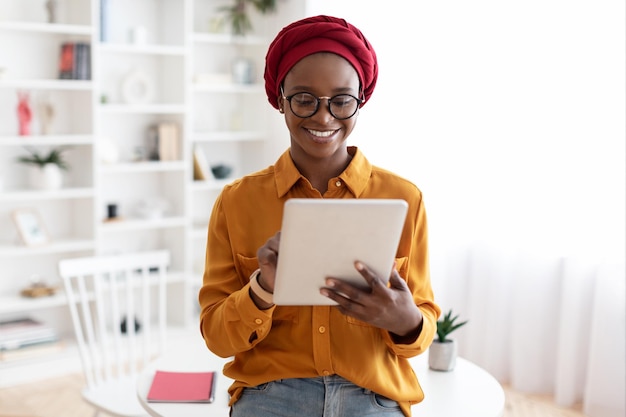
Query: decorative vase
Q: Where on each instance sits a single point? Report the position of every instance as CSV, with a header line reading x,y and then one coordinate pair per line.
x,y
46,177
221,171
51,8
243,71
442,355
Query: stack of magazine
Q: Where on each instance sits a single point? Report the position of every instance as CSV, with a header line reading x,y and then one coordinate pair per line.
x,y
24,337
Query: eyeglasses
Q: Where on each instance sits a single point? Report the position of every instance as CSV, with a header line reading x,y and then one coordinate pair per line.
x,y
341,106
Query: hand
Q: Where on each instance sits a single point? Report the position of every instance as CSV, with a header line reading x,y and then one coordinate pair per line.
x,y
391,308
267,256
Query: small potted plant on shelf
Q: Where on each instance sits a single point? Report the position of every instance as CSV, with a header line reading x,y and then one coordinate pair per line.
x,y
237,13
45,168
443,351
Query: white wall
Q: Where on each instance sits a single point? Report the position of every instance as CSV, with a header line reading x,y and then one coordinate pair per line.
x,y
508,115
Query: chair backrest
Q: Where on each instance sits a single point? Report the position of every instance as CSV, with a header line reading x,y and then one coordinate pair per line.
x,y
118,309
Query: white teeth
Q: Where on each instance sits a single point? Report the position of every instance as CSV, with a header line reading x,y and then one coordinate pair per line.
x,y
321,134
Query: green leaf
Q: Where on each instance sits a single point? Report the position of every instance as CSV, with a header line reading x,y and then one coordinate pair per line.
x,y
55,156
447,325
237,13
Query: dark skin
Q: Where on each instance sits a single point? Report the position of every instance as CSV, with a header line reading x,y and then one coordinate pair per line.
x,y
319,150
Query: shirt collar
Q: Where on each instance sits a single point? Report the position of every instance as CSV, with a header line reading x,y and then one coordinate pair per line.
x,y
355,176
358,172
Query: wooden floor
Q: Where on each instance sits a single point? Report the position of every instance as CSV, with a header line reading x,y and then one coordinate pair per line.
x,y
60,397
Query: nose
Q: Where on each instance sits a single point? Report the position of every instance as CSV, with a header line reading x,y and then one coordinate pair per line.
x,y
323,115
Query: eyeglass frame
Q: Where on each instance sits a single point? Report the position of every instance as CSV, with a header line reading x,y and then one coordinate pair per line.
x,y
359,101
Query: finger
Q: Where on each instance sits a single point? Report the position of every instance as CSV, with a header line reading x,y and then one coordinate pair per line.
x,y
368,274
333,295
268,253
396,281
267,256
343,289
274,241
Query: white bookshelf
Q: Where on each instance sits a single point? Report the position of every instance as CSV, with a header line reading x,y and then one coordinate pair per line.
x,y
89,115
29,58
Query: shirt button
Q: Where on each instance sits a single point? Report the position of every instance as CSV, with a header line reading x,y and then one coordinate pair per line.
x,y
258,321
326,373
338,183
322,329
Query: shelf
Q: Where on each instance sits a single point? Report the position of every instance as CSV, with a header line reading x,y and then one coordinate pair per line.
x,y
62,29
143,166
143,224
42,195
228,39
147,49
228,136
209,185
17,303
36,140
47,84
143,108
57,246
21,371
67,359
229,88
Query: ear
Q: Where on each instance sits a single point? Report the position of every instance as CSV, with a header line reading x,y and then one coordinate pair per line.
x,y
281,110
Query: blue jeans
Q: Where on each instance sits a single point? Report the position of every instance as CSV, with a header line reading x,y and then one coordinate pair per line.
x,y
325,396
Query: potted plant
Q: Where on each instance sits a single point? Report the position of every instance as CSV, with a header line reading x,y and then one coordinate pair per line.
x,y
443,351
237,14
46,168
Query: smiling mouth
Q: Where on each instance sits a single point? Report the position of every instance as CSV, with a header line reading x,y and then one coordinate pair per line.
x,y
322,134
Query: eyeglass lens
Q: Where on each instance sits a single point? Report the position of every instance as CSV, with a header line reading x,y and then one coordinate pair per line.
x,y
342,106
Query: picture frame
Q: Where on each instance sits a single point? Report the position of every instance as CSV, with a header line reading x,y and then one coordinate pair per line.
x,y
30,227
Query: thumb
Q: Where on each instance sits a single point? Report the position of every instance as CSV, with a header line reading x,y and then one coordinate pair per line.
x,y
397,282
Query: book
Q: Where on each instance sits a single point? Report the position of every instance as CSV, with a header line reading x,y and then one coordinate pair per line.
x,y
191,387
83,61
168,141
31,351
67,61
152,143
201,170
75,61
22,332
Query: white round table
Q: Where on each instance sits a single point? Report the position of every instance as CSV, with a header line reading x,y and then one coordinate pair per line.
x,y
468,391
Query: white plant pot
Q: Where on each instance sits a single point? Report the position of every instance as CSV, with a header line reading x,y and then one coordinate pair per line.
x,y
47,177
442,356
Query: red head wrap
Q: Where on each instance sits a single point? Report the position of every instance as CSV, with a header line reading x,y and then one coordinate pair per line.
x,y
319,34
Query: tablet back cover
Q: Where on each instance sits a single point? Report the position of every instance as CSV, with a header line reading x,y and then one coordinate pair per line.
x,y
324,237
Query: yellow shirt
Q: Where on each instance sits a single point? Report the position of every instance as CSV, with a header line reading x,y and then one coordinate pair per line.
x,y
301,342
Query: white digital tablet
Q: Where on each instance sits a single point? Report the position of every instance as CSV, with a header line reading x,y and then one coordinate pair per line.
x,y
324,237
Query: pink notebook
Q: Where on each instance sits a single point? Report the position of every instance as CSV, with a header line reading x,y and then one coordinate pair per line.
x,y
190,387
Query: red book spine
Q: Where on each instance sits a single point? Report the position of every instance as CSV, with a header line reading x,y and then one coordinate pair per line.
x,y
66,62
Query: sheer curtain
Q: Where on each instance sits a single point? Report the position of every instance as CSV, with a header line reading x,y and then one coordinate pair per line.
x,y
541,323
510,116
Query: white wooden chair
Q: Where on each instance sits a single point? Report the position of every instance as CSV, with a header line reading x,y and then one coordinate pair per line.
x,y
106,294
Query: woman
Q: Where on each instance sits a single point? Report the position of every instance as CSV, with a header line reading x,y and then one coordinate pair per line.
x,y
344,360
